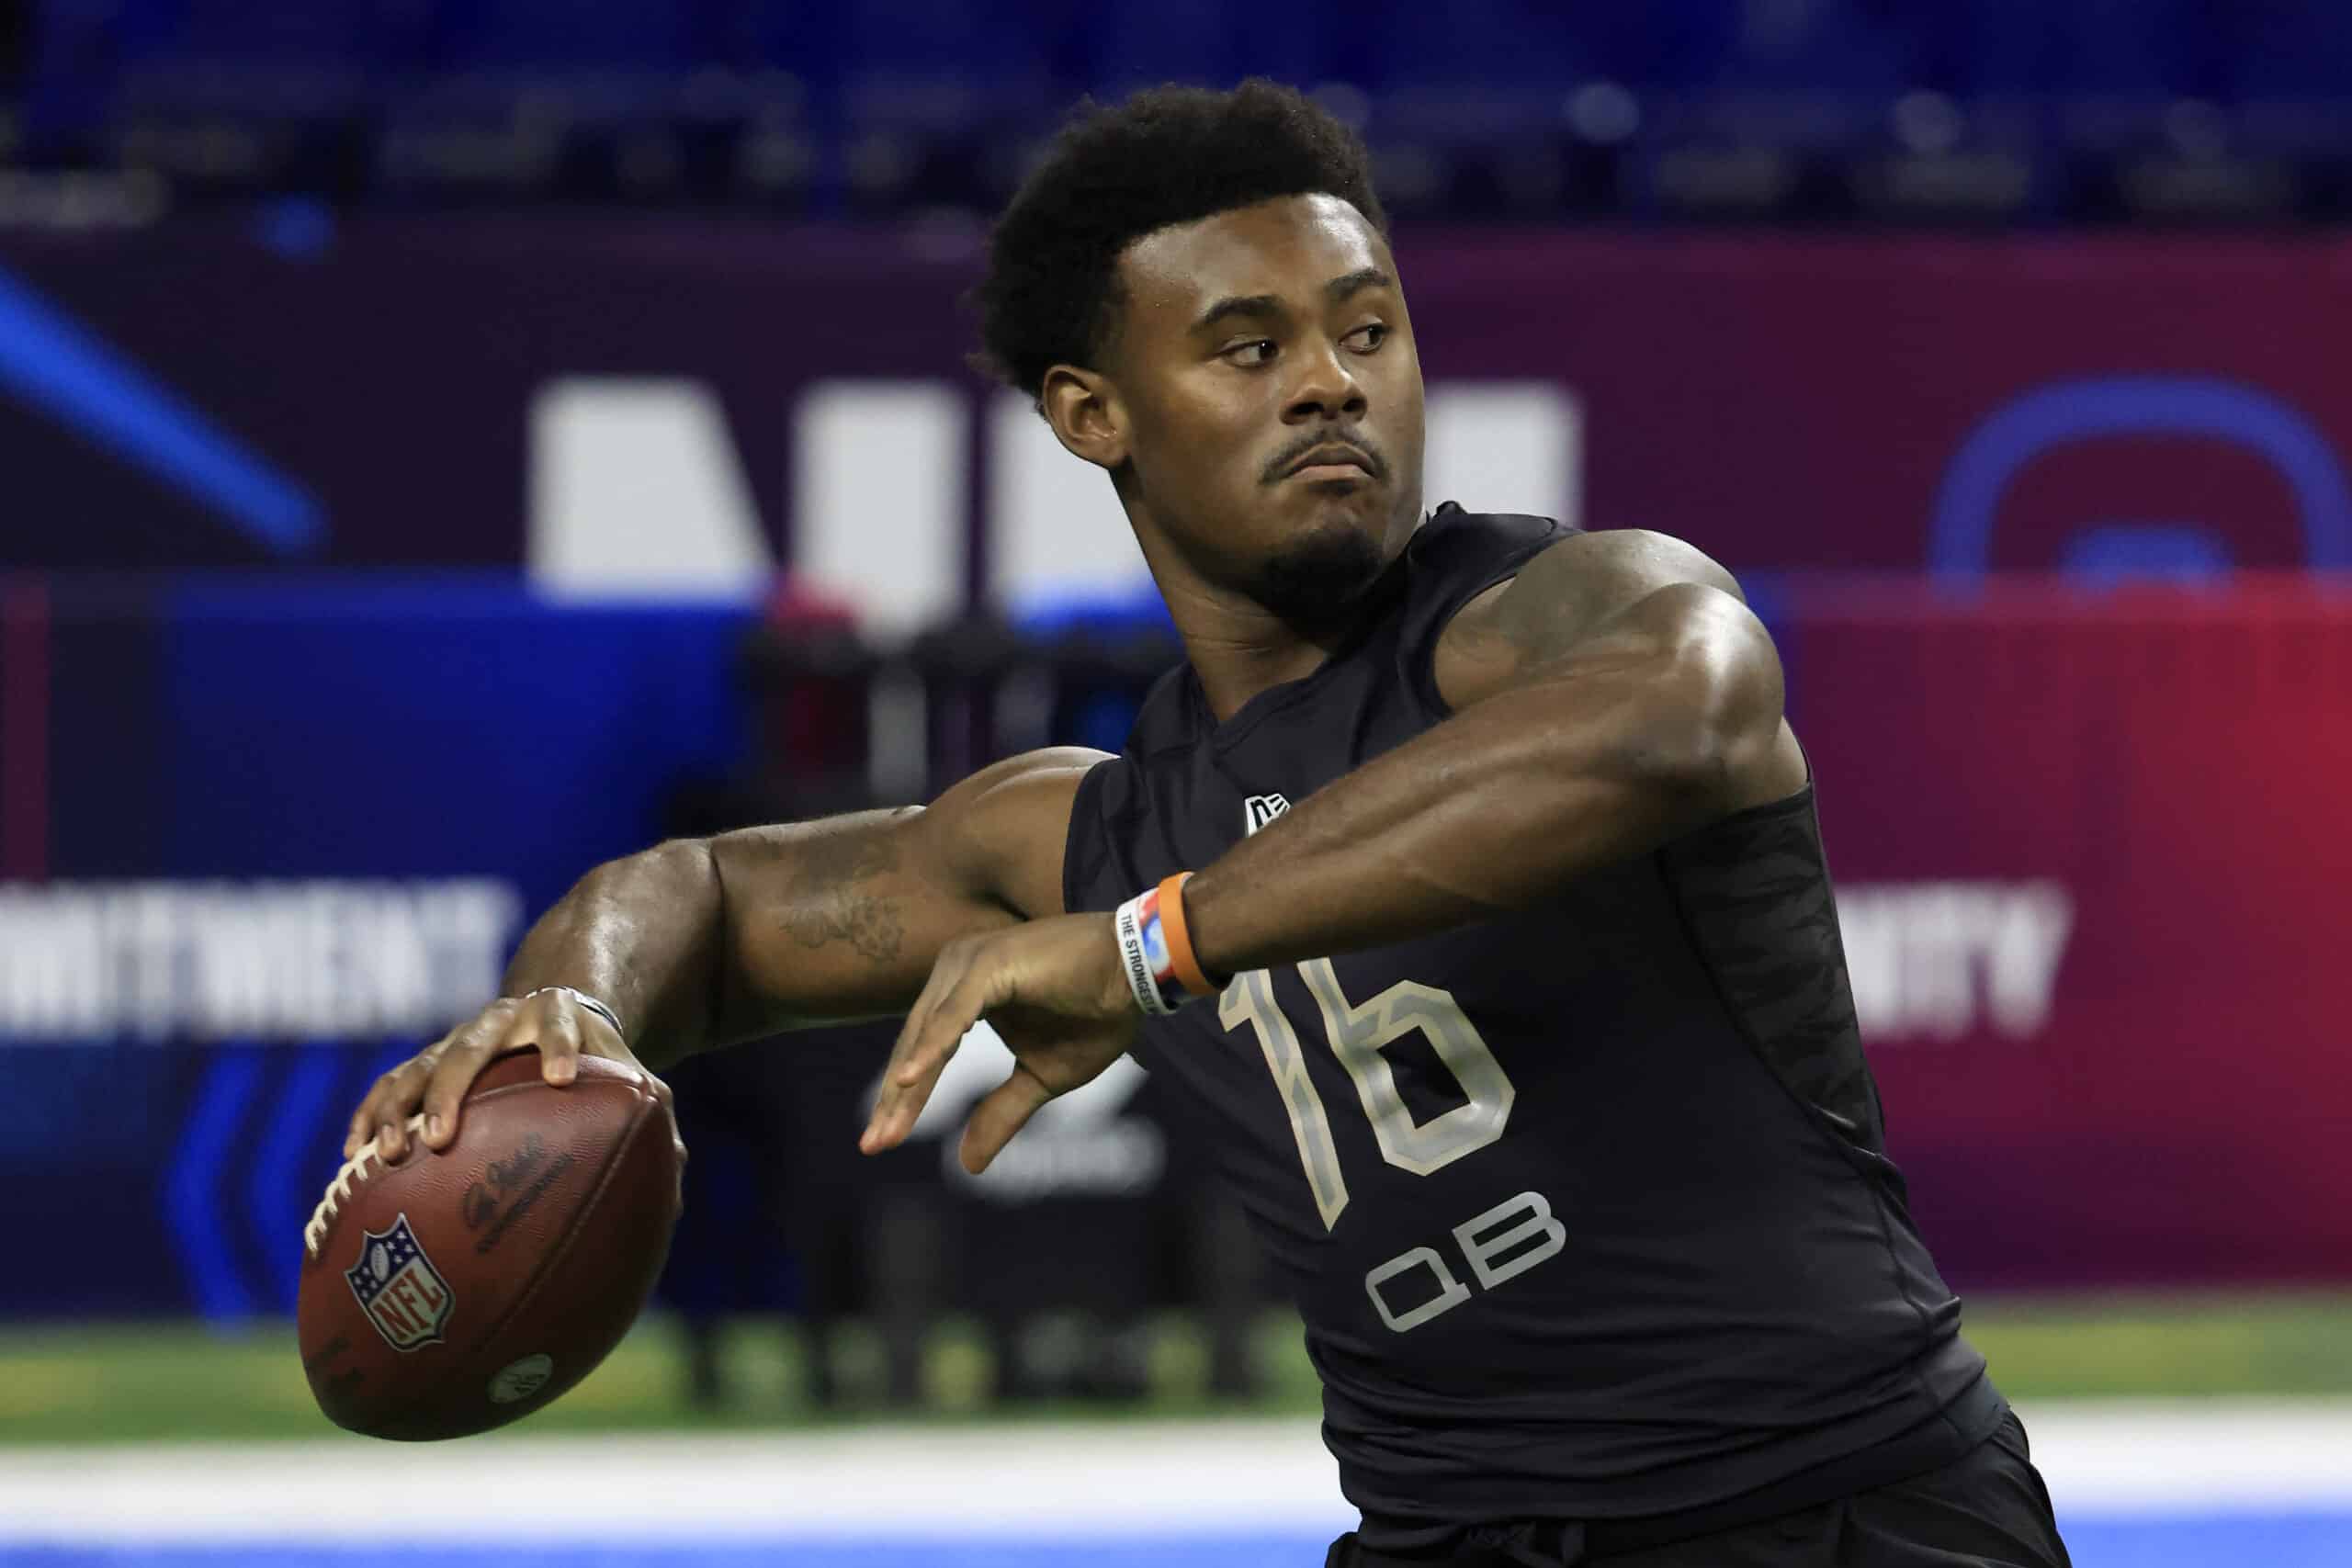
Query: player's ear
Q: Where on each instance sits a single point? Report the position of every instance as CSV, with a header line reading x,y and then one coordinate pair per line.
x,y
1087,416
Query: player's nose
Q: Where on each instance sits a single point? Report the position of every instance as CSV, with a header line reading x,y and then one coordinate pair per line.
x,y
1324,388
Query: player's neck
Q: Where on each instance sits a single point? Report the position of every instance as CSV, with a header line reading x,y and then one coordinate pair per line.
x,y
1238,648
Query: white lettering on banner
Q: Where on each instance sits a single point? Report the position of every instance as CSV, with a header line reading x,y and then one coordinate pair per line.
x,y
637,491
1506,447
1941,960
273,960
881,471
635,487
1055,533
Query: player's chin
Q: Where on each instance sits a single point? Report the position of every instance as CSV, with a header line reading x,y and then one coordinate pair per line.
x,y
1336,531
1358,496
1314,576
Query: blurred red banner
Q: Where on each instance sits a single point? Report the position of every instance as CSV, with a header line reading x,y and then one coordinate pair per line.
x,y
2093,856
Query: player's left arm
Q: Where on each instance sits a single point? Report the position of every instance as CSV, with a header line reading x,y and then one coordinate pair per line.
x,y
1616,693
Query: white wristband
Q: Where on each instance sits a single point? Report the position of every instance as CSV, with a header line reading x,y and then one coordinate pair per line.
x,y
1143,956
583,999
1135,964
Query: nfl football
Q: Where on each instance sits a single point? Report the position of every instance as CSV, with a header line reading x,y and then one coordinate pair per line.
x,y
452,1293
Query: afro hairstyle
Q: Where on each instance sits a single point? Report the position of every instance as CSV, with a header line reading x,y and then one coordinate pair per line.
x,y
1115,173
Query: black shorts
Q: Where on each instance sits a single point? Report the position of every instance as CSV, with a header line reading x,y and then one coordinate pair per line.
x,y
1986,1509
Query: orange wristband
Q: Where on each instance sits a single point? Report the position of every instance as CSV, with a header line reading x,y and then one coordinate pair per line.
x,y
1189,973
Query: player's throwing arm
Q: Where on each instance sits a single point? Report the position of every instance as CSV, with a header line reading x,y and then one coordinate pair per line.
x,y
703,943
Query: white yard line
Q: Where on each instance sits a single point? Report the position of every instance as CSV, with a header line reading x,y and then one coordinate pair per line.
x,y
2191,1456
1119,1479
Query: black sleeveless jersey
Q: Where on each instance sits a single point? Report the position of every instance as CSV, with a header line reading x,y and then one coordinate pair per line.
x,y
1587,1209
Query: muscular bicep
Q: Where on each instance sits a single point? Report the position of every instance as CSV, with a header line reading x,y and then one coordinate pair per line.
x,y
1667,624
842,919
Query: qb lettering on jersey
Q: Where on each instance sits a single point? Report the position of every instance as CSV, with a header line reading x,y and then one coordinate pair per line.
x,y
1497,1253
1260,810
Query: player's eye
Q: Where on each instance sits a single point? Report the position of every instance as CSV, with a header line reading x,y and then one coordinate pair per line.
x,y
1250,354
1367,337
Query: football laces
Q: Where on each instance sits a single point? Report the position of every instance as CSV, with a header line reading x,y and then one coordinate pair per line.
x,y
338,1191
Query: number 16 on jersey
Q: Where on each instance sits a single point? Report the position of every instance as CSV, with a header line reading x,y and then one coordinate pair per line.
x,y
1357,1034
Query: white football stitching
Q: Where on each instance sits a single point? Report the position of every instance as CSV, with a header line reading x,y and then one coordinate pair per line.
x,y
339,1188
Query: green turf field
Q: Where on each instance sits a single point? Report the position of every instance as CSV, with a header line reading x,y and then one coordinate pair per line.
x,y
128,1382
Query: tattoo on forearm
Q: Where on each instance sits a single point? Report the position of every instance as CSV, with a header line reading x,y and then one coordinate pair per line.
x,y
835,904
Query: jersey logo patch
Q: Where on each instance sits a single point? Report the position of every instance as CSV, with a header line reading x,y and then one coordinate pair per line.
x,y
1260,810
403,1294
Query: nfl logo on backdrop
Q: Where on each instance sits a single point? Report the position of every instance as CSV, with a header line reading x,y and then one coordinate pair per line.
x,y
1260,810
403,1294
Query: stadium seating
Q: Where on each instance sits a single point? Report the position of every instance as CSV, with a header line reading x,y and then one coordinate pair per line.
x,y
1508,108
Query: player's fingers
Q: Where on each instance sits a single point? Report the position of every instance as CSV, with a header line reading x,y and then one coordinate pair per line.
x,y
941,1033
403,1091
930,1046
890,1092
893,1124
1003,1112
669,1101
891,1098
363,1117
557,1034
933,1032
387,1099
462,1060
955,964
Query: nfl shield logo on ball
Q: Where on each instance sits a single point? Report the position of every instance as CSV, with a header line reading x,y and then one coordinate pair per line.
x,y
403,1294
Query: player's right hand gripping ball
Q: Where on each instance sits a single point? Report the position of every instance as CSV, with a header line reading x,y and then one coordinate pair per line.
x,y
457,1291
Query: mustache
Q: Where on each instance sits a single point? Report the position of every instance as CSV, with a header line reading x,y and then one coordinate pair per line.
x,y
1287,458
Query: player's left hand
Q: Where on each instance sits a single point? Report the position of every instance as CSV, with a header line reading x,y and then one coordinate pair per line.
x,y
1052,989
